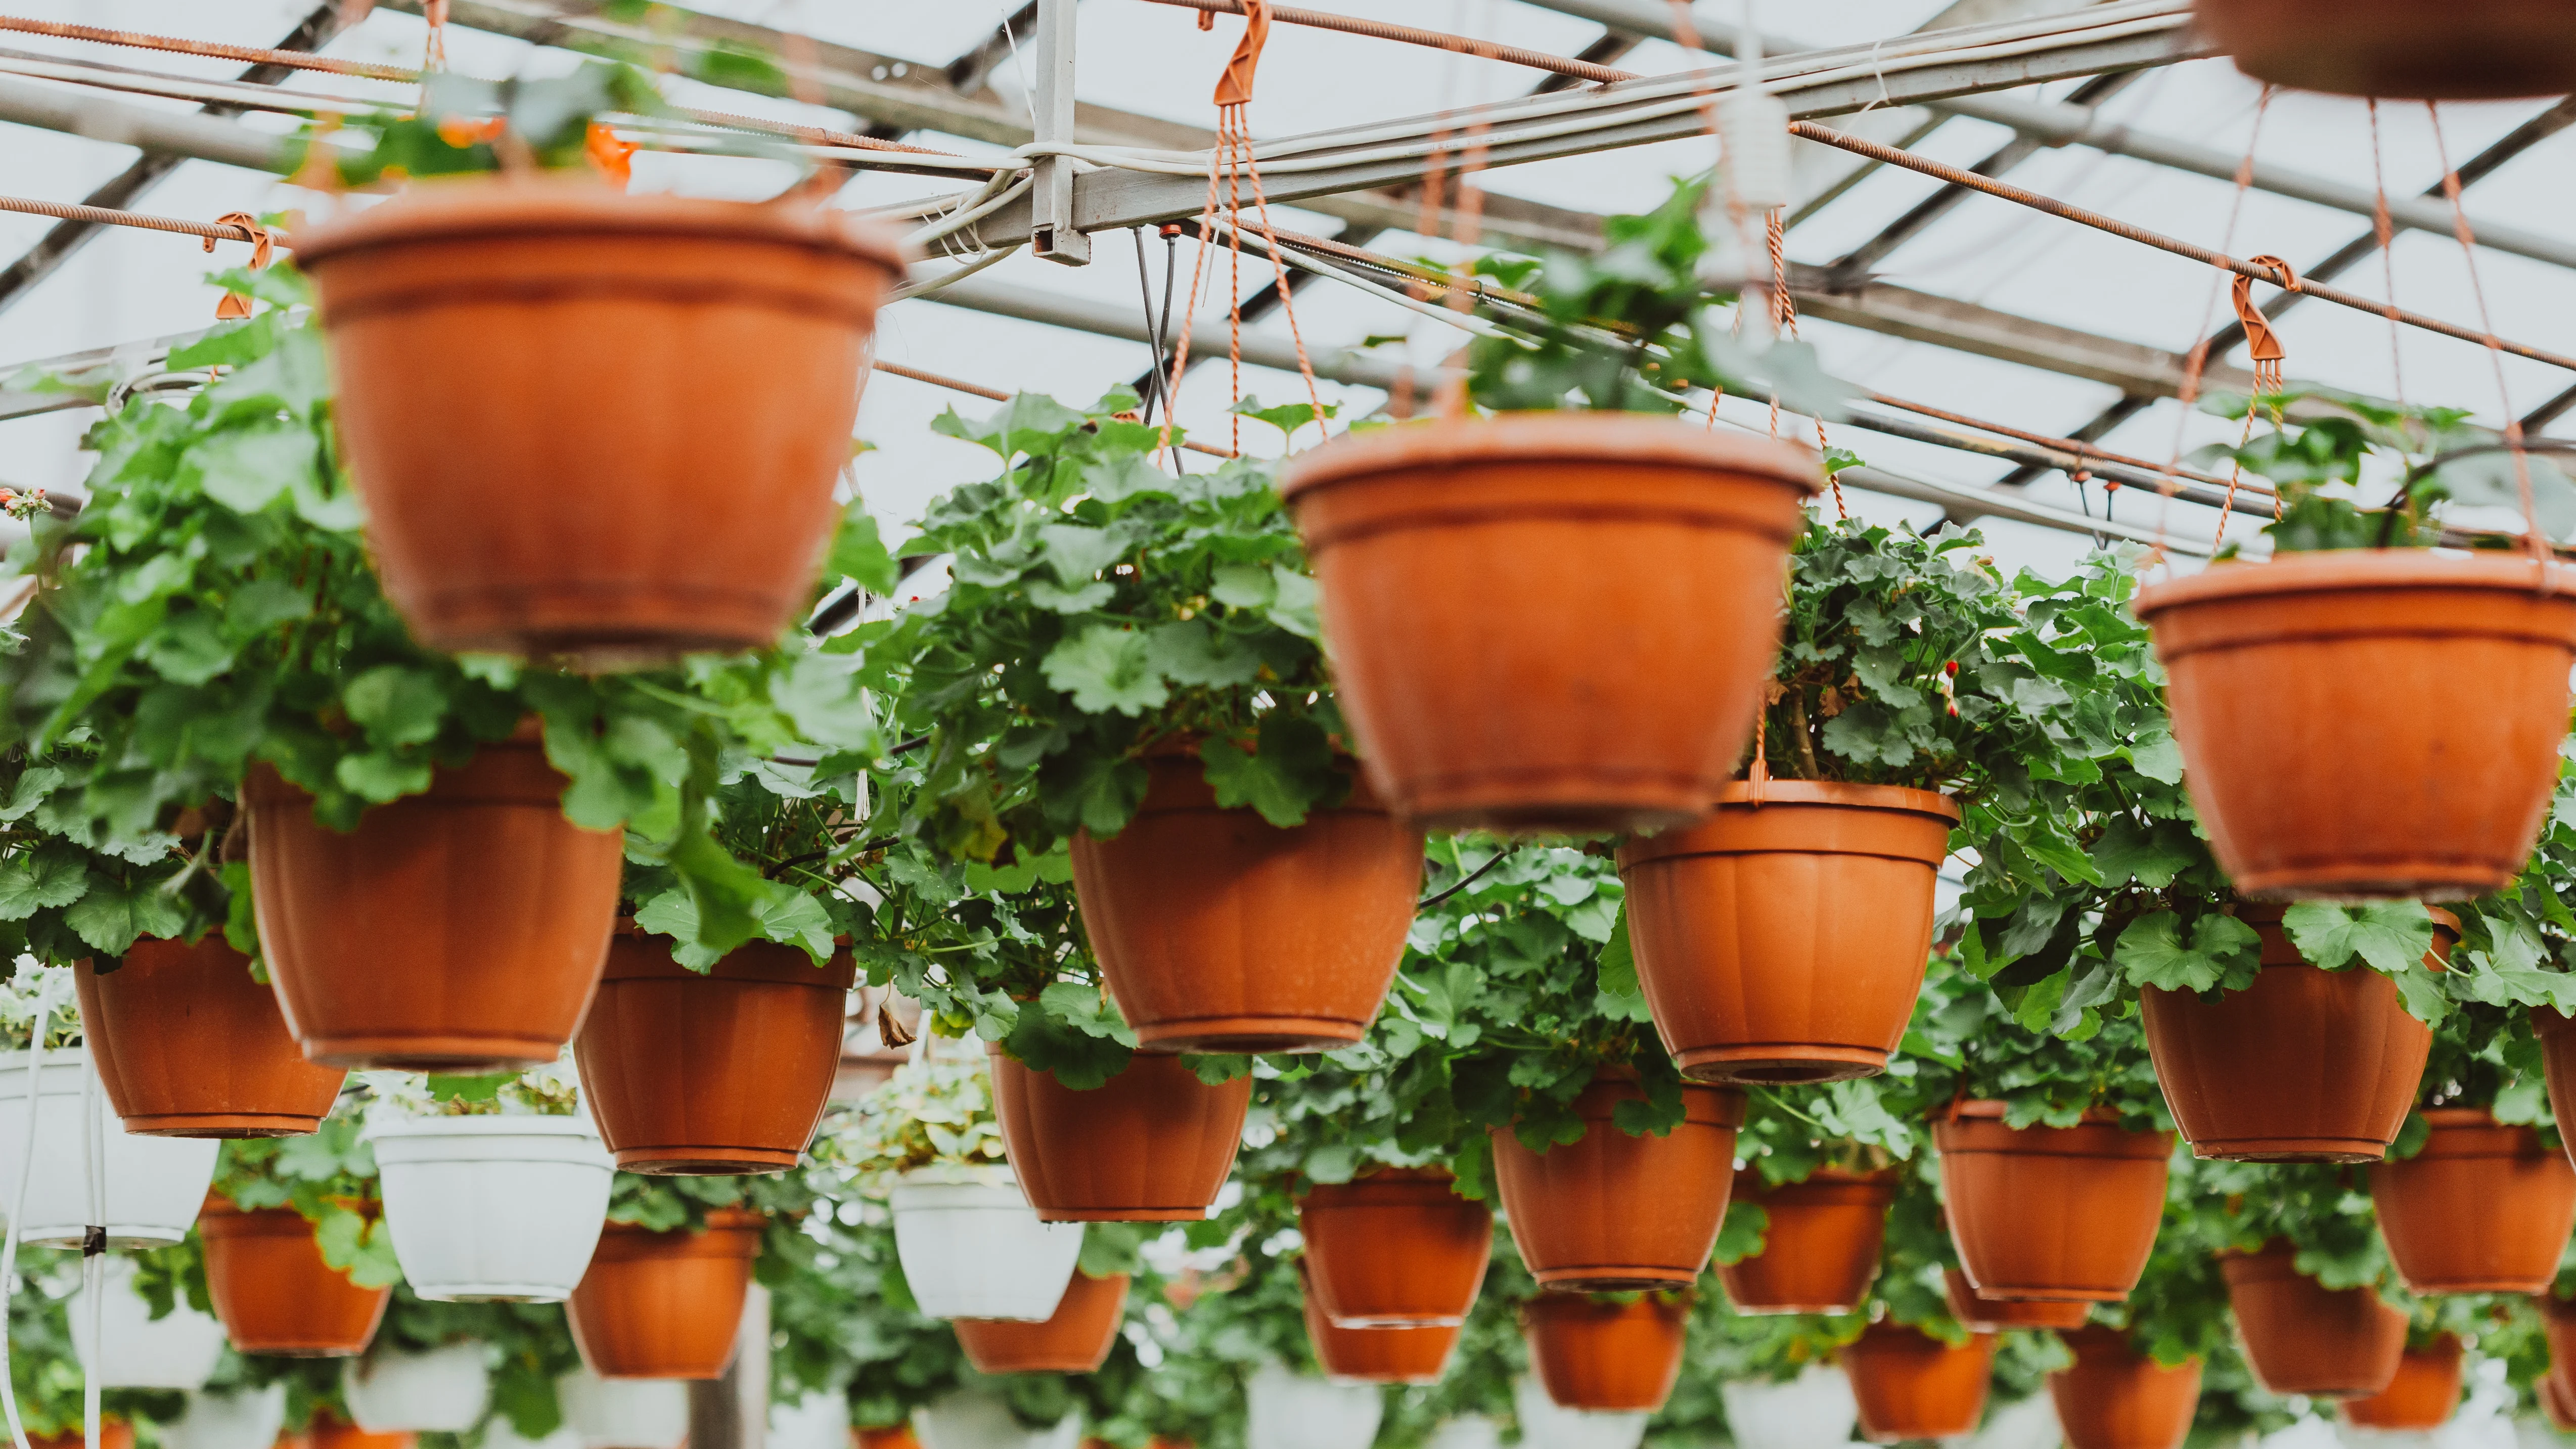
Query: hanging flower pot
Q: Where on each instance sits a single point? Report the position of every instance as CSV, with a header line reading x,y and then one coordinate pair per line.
x,y
1611,1212
112,1434
1076,1340
231,1419
1820,1247
1151,1145
274,1293
442,1391
2483,1208
1621,706
1220,932
2305,1065
1910,1385
190,1044
890,1436
2420,1397
1752,955
2001,1315
2050,1212
2558,1321
1395,1248
665,1305
973,1248
816,1419
1291,1411
492,1208
968,1419
329,1431
2115,1397
2363,789
154,1184
1816,1407
458,931
2397,50
1606,1355
2556,1403
1375,1355
178,1350
1546,1424
514,504
2557,1034
712,1074
636,1413
2304,1338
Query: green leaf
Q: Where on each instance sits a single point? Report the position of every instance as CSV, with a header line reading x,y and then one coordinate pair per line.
x,y
31,881
1243,586
247,469
2393,937
112,916
1106,668
1191,654
859,554
396,706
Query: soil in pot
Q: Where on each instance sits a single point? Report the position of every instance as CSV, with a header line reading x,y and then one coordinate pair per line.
x,y
713,1074
1820,1247
2483,1208
2371,784
1395,1248
2399,49
1605,1355
1375,1355
512,504
457,931
189,1044
1910,1385
2303,1066
665,1305
2001,1315
2050,1212
2304,1338
1220,932
2114,1397
2420,1397
1153,1144
1627,708
1751,943
1075,1341
274,1293
1614,1213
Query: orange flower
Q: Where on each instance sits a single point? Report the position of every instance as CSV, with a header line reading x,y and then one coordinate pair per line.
x,y
460,133
614,158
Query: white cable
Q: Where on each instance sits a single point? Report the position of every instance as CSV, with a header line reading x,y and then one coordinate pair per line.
x,y
93,1130
46,991
972,214
935,285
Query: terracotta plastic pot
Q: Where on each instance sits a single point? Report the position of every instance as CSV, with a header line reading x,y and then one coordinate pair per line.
x,y
1820,1248
712,1074
2051,1212
189,1044
2114,1397
2484,1208
2302,1066
1999,1315
330,1431
112,1434
2304,1338
1151,1145
1075,1341
2556,1402
1396,1248
1375,1355
1752,944
665,1305
457,931
1622,705
2420,1397
516,506
2557,1034
891,1436
1220,932
1910,1385
2558,1320
2399,49
2369,782
1606,1356
274,1293
1614,1213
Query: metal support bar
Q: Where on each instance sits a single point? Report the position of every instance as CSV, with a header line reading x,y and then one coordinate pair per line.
x,y
1052,234
175,133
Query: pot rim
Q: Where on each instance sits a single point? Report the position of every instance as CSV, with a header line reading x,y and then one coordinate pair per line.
x,y
1734,808
2353,570
1585,437
498,207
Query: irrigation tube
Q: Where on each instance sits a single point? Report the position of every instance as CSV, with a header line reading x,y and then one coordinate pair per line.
x,y
46,993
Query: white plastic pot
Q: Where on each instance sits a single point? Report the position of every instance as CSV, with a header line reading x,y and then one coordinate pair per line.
x,y
624,1413
484,1208
1472,1432
817,1421
176,1351
247,1419
154,1184
440,1391
973,1248
2032,1424
969,1420
1546,1424
1812,1411
499,1435
1291,1411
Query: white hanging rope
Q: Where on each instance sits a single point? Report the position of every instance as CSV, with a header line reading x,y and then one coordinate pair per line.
x,y
49,990
93,1130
